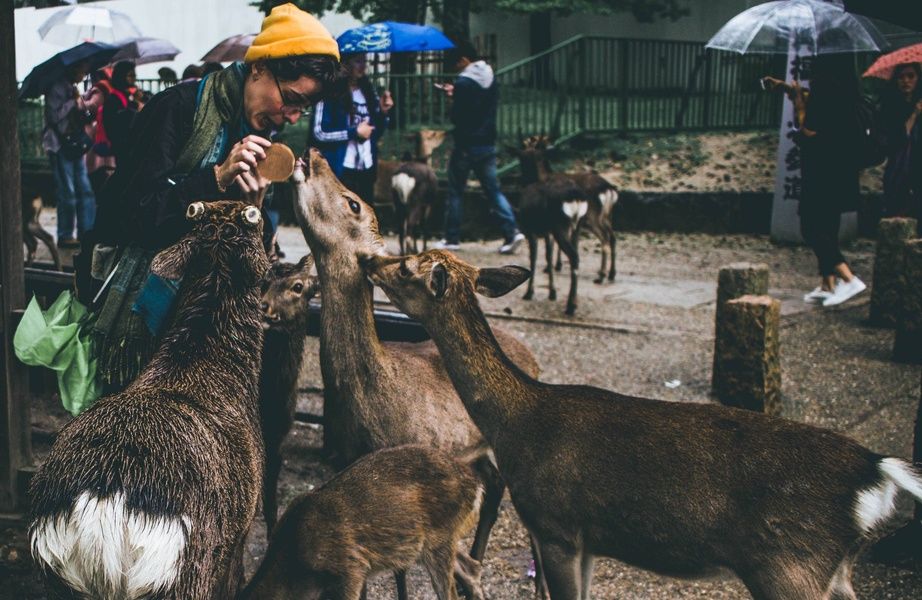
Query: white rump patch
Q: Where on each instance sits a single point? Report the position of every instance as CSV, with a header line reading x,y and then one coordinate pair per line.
x,y
608,198
102,550
403,184
575,209
874,505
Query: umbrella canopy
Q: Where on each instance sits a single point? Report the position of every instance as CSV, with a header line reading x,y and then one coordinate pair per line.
x,y
883,66
145,50
390,36
78,23
770,28
230,49
52,70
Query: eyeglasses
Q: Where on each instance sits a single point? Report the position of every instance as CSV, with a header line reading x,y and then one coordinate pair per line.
x,y
288,106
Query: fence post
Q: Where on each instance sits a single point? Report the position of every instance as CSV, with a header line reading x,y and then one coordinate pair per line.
x,y
708,76
887,289
907,343
735,280
622,86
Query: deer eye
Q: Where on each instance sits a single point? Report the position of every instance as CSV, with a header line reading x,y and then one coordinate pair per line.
x,y
298,287
354,206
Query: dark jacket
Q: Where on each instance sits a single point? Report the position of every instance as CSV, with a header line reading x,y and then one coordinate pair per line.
x,y
118,113
829,168
332,127
474,103
145,200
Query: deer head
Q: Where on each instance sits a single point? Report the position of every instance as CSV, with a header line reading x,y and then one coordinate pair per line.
x,y
286,292
334,220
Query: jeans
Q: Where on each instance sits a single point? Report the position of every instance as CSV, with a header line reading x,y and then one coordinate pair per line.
x,y
74,195
482,160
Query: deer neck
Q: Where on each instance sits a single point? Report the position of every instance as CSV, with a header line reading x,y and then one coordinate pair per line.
x,y
349,345
493,389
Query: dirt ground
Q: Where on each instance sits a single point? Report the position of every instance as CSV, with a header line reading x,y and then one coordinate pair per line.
x,y
650,333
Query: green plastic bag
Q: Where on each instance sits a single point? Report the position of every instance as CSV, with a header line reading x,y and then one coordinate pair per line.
x,y
54,339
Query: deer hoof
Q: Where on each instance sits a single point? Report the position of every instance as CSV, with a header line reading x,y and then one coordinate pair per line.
x,y
558,267
611,276
552,295
571,310
528,295
599,279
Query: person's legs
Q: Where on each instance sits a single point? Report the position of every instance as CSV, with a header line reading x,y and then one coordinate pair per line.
x,y
484,164
458,169
64,195
86,200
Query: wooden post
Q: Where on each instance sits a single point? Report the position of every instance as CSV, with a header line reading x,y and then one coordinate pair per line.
x,y
747,351
15,422
907,344
735,280
886,291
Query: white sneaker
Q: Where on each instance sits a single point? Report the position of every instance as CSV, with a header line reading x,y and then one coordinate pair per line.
x,y
444,245
512,245
845,290
817,296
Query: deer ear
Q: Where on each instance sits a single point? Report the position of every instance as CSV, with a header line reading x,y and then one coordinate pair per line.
x,y
306,263
499,281
438,280
171,262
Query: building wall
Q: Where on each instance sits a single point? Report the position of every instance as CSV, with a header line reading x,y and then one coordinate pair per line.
x,y
193,26
511,31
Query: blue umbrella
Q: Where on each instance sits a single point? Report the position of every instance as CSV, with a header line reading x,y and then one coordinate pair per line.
x,y
97,54
390,36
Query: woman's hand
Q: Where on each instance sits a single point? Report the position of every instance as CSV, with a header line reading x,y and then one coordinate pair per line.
x,y
387,101
243,158
364,130
253,187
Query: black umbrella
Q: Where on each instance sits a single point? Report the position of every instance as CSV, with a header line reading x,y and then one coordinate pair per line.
x,y
97,54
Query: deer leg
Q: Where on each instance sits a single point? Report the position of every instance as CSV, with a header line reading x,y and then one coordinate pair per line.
x,y
540,581
441,567
548,256
573,257
402,235
599,232
587,563
400,580
349,587
558,265
561,570
467,575
612,241
489,508
533,258
270,488
31,246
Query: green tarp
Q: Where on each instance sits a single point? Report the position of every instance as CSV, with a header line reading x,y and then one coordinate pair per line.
x,y
54,339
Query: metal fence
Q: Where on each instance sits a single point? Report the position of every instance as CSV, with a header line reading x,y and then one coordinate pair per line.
x,y
584,84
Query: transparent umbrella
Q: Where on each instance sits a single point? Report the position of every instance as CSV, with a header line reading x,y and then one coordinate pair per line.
x,y
814,26
81,23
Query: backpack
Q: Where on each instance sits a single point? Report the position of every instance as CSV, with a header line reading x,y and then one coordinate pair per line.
x,y
102,144
870,145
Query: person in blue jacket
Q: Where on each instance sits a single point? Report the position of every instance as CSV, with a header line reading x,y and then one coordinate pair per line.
x,y
346,129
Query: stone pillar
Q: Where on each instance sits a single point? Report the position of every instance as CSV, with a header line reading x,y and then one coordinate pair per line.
x,y
892,234
907,344
735,280
747,352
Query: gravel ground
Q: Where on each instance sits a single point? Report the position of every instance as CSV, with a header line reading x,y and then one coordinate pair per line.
x,y
653,325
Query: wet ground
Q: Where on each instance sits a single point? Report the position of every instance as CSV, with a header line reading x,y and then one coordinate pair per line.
x,y
650,333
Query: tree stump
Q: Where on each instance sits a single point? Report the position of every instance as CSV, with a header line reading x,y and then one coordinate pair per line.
x,y
735,280
747,354
907,344
892,235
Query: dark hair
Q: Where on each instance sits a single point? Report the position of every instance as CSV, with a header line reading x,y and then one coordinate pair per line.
x,y
211,67
99,75
167,74
321,67
120,73
915,67
192,71
892,102
462,49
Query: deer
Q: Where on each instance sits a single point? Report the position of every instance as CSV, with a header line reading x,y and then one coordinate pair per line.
x,y
379,394
600,196
387,511
414,186
33,232
592,472
287,290
151,491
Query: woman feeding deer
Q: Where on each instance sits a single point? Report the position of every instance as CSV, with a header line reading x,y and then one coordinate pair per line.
x,y
200,140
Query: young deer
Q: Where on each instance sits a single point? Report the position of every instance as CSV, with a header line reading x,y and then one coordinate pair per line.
x,y
386,512
286,293
414,186
150,493
33,232
378,395
681,489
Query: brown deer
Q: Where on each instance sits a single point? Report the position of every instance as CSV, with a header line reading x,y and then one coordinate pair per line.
x,y
378,395
680,489
386,512
287,290
33,232
414,187
151,491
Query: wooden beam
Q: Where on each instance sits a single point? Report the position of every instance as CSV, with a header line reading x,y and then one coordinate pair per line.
x,y
15,439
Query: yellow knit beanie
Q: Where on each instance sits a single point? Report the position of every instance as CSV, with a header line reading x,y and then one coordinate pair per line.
x,y
289,31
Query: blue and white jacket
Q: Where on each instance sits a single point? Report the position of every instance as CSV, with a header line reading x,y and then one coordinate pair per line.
x,y
331,130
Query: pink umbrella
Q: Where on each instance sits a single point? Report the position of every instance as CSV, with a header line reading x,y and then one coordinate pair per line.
x,y
883,66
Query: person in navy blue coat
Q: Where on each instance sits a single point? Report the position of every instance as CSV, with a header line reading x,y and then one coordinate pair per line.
x,y
346,129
